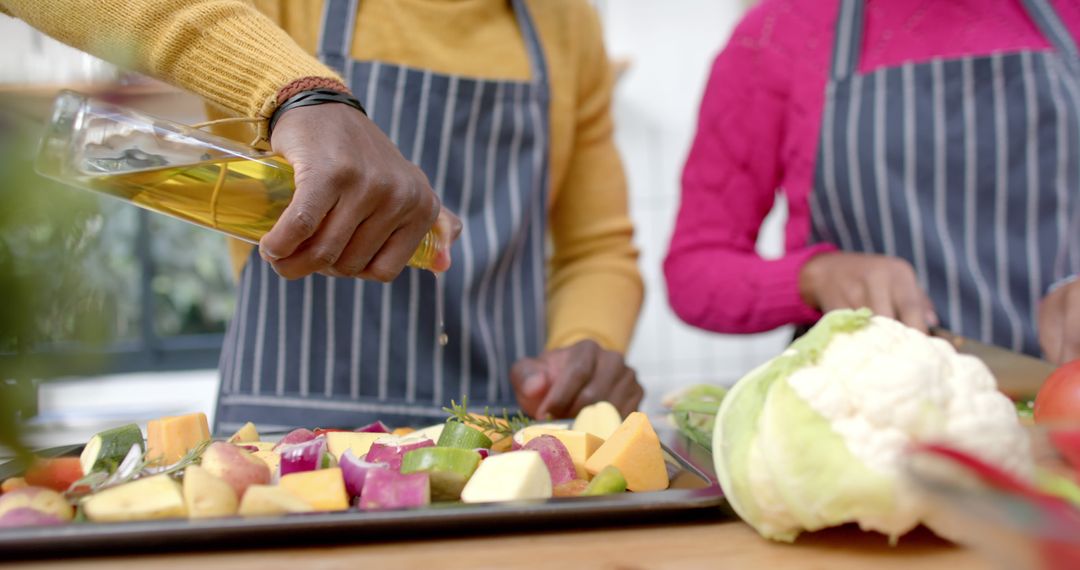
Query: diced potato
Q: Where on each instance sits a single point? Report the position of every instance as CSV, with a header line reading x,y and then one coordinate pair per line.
x,y
156,497
271,500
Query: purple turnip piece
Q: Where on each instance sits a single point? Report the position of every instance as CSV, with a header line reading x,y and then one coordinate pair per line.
x,y
387,489
391,450
26,516
555,455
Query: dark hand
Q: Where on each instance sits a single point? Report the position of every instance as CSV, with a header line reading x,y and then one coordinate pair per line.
x,y
360,208
886,285
1059,323
558,383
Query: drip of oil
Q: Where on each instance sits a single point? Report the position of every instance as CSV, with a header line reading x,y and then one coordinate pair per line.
x,y
442,337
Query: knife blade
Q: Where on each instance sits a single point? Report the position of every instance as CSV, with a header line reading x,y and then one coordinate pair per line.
x,y
1018,375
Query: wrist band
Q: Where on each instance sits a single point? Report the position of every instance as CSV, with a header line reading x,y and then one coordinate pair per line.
x,y
307,84
313,97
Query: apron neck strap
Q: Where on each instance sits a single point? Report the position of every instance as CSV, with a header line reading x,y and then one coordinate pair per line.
x,y
339,22
847,45
1046,18
336,33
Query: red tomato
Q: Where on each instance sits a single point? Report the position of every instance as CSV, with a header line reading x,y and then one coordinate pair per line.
x,y
1059,398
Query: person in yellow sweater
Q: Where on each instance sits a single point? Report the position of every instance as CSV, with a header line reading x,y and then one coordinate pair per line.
x,y
503,106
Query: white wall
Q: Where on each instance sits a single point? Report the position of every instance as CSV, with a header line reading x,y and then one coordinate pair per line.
x,y
671,45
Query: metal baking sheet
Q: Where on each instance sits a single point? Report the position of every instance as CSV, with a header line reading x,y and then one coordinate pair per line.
x,y
693,491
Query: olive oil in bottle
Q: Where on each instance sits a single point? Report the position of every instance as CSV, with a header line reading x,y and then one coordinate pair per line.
x,y
174,170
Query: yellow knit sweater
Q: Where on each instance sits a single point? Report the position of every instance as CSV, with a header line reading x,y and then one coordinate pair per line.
x,y
235,57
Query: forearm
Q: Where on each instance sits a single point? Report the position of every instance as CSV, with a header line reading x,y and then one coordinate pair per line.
x,y
223,50
730,291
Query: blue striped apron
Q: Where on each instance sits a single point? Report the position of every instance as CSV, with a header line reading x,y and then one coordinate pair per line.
x,y
329,352
967,168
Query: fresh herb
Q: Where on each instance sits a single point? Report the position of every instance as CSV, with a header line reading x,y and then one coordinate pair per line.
x,y
505,425
136,464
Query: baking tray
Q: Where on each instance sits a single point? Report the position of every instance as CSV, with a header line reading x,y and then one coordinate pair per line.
x,y
693,492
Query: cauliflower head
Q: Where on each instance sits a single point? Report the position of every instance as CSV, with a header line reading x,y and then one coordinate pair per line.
x,y
816,436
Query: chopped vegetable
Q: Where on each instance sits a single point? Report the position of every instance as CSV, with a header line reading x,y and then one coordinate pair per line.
x,y
235,466
694,412
374,427
387,489
572,488
816,436
391,450
106,450
513,476
207,496
499,429
635,449
323,489
245,434
556,458
25,516
40,499
457,434
355,472
170,438
157,497
306,456
448,468
600,419
607,482
294,437
270,500
358,442
58,473
13,483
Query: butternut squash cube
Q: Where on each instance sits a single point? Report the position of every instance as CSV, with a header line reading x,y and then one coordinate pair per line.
x,y
170,438
635,449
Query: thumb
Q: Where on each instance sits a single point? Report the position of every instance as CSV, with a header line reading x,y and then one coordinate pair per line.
x,y
531,383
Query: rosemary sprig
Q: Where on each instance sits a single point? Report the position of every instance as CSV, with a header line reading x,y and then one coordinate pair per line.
x,y
505,425
135,466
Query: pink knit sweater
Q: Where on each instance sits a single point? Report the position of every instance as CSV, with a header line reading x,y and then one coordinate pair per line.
x,y
758,135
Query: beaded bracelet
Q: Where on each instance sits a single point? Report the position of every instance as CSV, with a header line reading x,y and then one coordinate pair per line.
x,y
313,97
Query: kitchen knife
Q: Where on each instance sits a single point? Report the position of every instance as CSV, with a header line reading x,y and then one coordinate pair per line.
x,y
1018,375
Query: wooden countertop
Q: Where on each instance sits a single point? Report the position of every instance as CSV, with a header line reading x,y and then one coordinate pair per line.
x,y
685,545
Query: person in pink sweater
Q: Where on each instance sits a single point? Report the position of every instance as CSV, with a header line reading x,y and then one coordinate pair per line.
x,y
929,152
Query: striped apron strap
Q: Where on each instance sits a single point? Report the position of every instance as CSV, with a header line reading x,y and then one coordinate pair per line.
x,y
335,44
1048,21
848,41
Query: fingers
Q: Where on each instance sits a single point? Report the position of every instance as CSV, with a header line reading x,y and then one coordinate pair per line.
x,y
529,379
447,229
359,210
313,200
574,373
627,394
909,300
606,375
